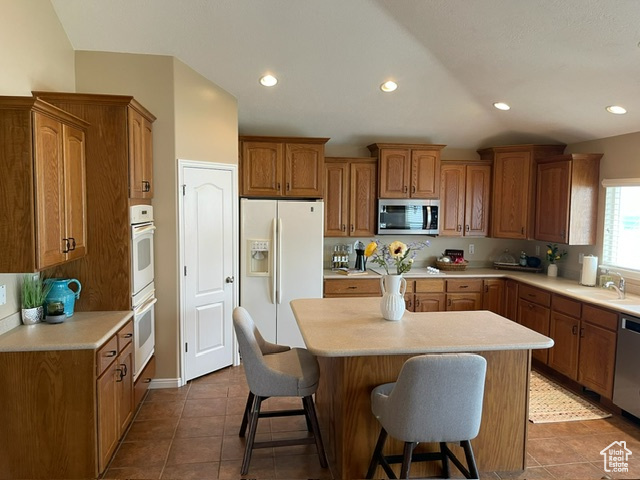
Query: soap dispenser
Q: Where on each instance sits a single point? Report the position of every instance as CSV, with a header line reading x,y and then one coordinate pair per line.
x,y
523,259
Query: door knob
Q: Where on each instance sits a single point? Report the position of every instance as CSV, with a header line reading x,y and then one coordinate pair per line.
x,y
229,279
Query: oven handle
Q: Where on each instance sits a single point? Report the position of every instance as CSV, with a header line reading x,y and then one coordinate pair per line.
x,y
146,306
138,230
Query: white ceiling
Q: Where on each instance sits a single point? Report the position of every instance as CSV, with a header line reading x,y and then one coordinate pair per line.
x,y
558,63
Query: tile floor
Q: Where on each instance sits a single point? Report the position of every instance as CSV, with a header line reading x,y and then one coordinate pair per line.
x,y
192,433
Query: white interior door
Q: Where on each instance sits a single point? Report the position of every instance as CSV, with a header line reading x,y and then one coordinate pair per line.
x,y
208,249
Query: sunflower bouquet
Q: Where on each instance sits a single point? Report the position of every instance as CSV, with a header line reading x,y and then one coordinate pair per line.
x,y
396,254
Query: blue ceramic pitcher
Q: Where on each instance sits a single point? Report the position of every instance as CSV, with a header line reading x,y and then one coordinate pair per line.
x,y
60,292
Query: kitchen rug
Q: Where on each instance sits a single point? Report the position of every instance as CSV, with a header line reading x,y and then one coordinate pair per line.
x,y
550,403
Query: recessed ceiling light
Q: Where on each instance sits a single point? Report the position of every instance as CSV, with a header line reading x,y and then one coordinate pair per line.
x,y
268,80
616,109
388,86
501,106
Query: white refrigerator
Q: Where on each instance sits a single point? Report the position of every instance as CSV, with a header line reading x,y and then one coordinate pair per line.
x,y
281,257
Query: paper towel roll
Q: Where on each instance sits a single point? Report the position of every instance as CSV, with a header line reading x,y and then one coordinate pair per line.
x,y
589,270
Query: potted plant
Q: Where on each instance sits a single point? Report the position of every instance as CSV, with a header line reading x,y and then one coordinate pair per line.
x,y
33,293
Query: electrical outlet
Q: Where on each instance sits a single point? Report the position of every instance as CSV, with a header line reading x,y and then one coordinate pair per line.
x,y
472,249
537,250
3,294
580,257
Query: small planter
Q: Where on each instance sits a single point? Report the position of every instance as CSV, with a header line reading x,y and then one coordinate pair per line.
x,y
31,316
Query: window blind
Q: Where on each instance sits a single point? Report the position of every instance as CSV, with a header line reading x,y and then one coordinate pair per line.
x,y
621,223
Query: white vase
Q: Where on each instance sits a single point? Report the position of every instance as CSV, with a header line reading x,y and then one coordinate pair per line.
x,y
392,304
31,316
552,270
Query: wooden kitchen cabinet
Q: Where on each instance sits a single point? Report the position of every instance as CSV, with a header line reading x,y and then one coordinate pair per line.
x,y
564,329
429,295
119,159
464,294
350,197
464,199
493,295
362,287
567,199
511,300
534,313
282,166
514,187
407,170
44,191
598,341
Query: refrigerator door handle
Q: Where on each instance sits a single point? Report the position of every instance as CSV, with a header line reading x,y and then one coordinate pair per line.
x,y
272,277
279,276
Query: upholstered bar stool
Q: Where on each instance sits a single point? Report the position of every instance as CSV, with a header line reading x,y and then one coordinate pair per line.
x,y
436,399
282,372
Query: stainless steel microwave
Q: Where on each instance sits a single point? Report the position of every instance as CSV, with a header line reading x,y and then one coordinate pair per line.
x,y
408,217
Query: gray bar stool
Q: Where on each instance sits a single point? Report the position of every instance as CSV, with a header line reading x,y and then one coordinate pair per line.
x,y
275,371
436,399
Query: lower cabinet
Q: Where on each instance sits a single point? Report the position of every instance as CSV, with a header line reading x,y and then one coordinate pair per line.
x,y
350,287
428,296
511,300
464,294
534,313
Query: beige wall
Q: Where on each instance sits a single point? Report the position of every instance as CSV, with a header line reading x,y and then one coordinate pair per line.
x,y
206,118
36,55
196,120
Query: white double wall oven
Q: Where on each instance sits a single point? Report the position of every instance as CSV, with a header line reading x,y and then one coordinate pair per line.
x,y
142,285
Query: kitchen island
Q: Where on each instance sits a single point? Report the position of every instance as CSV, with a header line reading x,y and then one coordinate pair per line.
x,y
357,350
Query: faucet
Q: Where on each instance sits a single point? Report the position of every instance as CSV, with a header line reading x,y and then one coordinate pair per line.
x,y
618,288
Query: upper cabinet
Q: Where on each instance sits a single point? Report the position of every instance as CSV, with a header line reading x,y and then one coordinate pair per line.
x,y
282,166
118,174
408,170
567,199
350,197
514,187
42,167
464,199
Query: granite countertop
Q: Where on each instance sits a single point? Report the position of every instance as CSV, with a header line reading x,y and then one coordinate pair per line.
x,y
344,327
570,288
82,331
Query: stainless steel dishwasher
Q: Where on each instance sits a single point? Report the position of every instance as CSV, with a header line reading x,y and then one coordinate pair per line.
x,y
626,387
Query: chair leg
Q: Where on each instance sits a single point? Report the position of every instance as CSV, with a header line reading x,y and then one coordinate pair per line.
x,y
310,411
406,458
445,460
471,461
245,417
253,426
378,457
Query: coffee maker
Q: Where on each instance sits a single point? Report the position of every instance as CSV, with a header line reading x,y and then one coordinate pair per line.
x,y
361,260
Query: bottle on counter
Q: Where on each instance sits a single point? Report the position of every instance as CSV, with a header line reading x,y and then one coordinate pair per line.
x,y
523,259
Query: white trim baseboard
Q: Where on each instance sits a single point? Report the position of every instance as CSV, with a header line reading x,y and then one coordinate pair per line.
x,y
165,383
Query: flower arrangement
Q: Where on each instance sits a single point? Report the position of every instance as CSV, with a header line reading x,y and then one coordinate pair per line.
x,y
554,254
396,253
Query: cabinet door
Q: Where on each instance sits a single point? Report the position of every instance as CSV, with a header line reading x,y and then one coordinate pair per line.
x,y
493,295
336,207
124,369
597,357
536,318
511,300
137,187
477,189
457,302
552,202
147,159
262,164
452,199
108,424
362,199
50,202
395,166
511,194
429,302
75,187
304,168
425,173
563,356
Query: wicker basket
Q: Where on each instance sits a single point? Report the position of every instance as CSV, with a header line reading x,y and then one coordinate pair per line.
x,y
450,266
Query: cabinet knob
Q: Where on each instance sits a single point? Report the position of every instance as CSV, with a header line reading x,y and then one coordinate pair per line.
x,y
522,230
120,375
146,186
128,335
344,227
288,187
468,229
73,243
459,228
405,189
582,333
110,353
278,186
67,247
229,279
449,302
413,189
574,330
352,228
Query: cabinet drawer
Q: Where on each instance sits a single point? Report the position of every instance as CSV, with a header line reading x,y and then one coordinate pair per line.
x,y
429,286
598,316
567,306
125,335
460,285
355,288
107,354
144,379
535,295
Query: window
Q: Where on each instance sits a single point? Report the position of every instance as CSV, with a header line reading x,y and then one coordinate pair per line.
x,y
621,240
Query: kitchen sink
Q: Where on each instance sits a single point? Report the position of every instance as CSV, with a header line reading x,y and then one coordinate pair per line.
x,y
604,295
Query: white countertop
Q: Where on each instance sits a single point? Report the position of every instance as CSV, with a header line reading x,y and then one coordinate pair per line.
x,y
570,288
344,327
81,331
